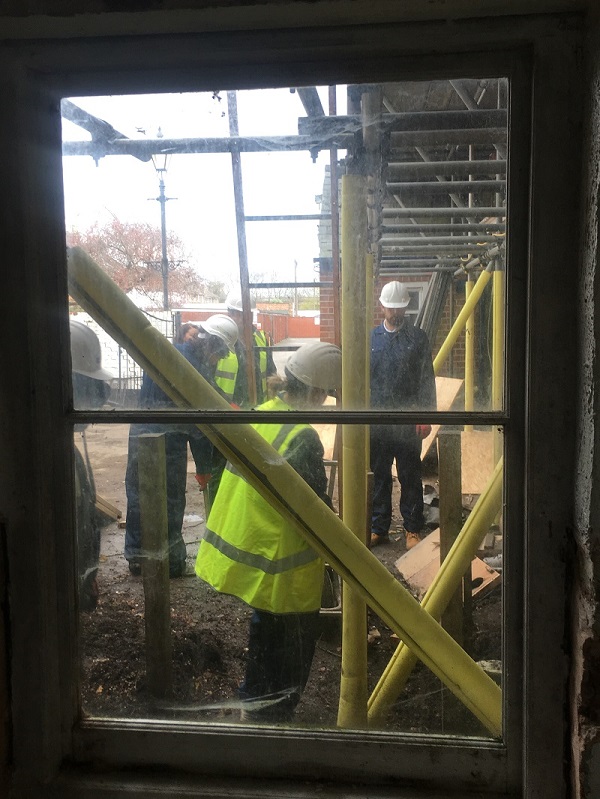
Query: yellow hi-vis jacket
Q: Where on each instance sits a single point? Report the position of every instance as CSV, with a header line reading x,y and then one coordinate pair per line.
x,y
226,374
253,553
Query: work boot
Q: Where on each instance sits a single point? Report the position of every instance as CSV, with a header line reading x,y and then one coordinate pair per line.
x,y
177,569
377,539
412,539
135,567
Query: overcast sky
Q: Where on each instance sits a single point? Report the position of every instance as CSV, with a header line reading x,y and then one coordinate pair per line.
x,y
203,214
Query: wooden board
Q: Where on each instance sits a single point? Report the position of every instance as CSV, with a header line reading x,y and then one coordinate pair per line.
x,y
477,460
447,389
420,564
107,508
327,433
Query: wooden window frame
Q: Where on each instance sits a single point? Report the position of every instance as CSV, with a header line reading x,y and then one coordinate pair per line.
x,y
51,748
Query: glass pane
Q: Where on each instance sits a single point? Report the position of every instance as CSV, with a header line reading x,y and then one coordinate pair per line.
x,y
182,200
268,210
158,641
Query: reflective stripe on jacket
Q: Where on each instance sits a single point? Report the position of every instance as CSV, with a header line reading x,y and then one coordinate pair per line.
x,y
250,551
226,374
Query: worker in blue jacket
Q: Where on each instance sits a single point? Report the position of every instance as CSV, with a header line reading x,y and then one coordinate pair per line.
x,y
218,335
401,379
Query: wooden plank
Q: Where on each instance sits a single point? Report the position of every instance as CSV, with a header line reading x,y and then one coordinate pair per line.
x,y
420,564
447,389
155,563
484,578
454,619
477,452
107,508
326,433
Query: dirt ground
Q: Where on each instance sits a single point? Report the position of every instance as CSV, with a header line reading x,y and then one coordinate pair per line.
x,y
209,633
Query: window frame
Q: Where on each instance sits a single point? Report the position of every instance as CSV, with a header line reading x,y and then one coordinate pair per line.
x,y
43,74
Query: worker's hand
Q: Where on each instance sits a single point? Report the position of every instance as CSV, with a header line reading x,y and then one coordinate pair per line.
x,y
203,480
423,430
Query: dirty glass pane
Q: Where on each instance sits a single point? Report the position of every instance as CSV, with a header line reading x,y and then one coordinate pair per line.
x,y
286,223
293,194
174,619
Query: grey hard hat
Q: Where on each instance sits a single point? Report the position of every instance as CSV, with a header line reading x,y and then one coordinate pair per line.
x,y
317,364
86,355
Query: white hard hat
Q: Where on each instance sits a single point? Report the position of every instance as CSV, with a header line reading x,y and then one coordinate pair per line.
x,y
223,327
317,364
394,295
86,355
234,303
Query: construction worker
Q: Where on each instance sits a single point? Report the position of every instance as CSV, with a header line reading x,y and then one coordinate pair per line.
x,y
90,391
187,332
232,378
217,336
401,379
264,365
253,553
228,377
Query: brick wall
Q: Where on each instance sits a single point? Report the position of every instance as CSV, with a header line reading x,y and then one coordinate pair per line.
x,y
328,332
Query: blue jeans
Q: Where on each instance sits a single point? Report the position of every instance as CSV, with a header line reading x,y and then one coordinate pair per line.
x,y
400,444
280,653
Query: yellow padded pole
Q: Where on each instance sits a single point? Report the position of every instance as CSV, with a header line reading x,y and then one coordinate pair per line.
x,y
440,592
461,320
469,350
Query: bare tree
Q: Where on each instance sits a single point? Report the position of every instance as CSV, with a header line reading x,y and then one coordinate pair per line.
x,y
130,252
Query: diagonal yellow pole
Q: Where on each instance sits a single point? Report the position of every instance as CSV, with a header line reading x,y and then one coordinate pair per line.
x,y
439,593
274,479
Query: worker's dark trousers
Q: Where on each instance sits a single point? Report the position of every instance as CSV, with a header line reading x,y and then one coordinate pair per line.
x,y
280,653
176,443
402,445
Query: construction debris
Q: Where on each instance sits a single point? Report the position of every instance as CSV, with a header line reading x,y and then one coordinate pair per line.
x,y
420,564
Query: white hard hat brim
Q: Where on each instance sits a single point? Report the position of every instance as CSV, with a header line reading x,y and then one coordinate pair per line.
x,y
395,304
217,335
98,374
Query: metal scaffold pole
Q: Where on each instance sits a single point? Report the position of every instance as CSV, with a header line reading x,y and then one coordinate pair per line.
x,y
238,193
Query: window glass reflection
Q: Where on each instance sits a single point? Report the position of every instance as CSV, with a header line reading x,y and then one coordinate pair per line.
x,y
200,596
218,639
246,190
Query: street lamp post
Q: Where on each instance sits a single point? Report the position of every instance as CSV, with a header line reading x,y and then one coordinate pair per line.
x,y
164,262
160,165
